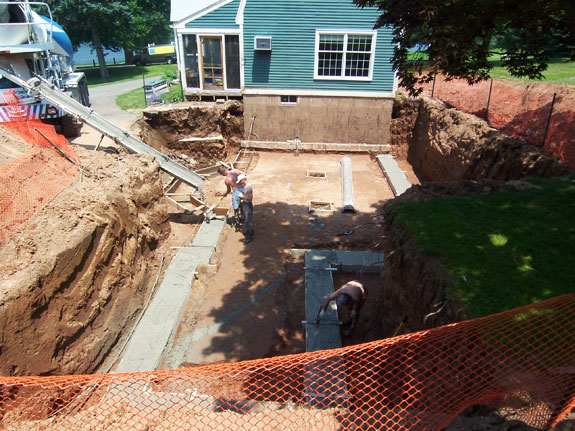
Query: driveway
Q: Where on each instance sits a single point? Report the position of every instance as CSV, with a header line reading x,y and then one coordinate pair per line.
x,y
103,99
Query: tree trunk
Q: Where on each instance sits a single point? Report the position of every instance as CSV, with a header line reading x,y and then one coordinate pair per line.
x,y
129,55
99,50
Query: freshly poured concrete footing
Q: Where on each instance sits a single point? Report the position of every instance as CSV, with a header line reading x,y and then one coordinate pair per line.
x,y
395,176
315,146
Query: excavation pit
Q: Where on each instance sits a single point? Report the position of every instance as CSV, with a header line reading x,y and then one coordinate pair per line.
x,y
320,206
316,175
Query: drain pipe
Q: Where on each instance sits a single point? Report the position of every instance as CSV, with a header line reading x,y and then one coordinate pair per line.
x,y
347,185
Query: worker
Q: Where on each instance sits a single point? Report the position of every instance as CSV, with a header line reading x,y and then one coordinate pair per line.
x,y
247,194
232,185
351,295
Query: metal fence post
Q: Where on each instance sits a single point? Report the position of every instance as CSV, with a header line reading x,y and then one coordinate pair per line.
x,y
488,102
144,88
549,119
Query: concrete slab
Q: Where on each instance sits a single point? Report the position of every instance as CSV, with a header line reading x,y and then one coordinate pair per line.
x,y
318,285
325,385
154,330
395,176
357,261
209,234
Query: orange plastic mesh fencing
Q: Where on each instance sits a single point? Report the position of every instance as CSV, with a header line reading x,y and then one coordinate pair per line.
x,y
30,182
520,361
529,111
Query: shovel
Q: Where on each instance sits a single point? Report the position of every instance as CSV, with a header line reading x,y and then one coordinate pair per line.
x,y
210,213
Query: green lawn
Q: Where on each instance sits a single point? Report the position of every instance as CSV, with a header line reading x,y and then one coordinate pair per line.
x,y
128,73
559,69
135,99
502,250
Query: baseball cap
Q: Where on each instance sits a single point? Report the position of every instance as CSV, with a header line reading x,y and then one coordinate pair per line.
x,y
240,177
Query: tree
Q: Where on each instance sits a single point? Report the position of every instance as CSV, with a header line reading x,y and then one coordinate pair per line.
x,y
151,25
100,22
457,36
108,24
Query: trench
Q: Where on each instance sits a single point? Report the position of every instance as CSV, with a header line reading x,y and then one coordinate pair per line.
x,y
214,330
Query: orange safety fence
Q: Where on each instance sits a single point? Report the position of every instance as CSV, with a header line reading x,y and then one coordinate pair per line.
x,y
538,112
30,182
521,361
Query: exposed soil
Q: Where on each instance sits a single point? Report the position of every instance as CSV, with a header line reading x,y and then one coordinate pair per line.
x,y
74,278
539,113
257,288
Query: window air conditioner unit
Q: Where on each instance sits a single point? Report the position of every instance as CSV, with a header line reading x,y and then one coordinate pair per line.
x,y
263,43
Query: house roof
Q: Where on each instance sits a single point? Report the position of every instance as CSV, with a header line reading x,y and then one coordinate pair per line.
x,y
180,9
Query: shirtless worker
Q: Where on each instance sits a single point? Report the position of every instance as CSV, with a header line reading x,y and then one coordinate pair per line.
x,y
231,182
351,295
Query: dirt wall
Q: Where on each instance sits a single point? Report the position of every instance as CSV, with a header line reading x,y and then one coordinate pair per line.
x,y
445,144
319,119
164,128
75,276
540,113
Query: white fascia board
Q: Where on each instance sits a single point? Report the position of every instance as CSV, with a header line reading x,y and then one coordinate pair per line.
x,y
240,14
318,93
208,31
199,13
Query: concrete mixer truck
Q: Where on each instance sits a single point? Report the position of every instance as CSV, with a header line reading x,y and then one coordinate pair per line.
x,y
32,44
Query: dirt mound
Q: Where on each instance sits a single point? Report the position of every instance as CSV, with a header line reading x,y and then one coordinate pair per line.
x,y
12,146
164,128
75,276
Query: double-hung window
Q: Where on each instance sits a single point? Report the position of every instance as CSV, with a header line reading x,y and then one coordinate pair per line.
x,y
344,55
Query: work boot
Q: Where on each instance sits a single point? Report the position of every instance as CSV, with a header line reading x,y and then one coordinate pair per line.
x,y
247,239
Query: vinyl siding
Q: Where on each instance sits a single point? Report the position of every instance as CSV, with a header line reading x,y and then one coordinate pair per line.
x,y
292,24
222,17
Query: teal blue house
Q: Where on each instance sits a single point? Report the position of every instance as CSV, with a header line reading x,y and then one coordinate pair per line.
x,y
312,69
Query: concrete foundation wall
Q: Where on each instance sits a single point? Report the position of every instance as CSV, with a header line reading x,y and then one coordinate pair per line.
x,y
319,119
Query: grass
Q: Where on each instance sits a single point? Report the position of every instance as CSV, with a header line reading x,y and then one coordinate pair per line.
x,y
129,73
559,69
135,99
502,250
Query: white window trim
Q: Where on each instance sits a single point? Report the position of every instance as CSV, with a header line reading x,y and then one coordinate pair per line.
x,y
373,34
289,103
211,33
